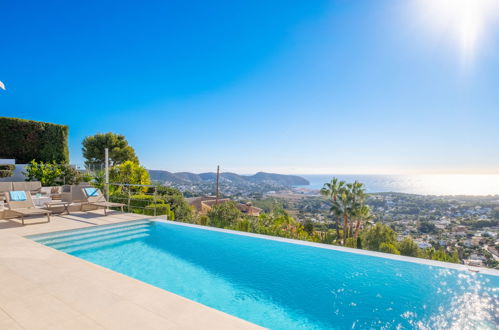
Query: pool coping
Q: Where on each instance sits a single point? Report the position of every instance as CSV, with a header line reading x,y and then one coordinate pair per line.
x,y
427,262
46,288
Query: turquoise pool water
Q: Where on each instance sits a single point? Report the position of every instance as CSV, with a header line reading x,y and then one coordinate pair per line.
x,y
282,285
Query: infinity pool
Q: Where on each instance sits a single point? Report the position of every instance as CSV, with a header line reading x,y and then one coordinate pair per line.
x,y
281,285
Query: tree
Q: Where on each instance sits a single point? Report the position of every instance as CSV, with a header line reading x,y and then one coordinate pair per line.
x,y
119,151
129,173
179,205
344,208
99,180
427,227
362,213
7,170
408,247
331,191
224,214
69,175
308,226
357,207
373,237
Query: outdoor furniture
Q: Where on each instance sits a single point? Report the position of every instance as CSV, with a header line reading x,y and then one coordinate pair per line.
x,y
95,197
74,193
20,203
51,205
5,187
34,187
40,201
52,192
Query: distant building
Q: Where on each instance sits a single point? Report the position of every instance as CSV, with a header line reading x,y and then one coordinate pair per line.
x,y
468,243
203,205
424,245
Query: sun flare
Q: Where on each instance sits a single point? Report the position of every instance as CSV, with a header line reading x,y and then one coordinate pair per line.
x,y
465,22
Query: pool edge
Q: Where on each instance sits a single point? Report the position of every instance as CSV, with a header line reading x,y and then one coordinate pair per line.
x,y
427,262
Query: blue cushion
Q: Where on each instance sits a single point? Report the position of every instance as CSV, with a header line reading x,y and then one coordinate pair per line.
x,y
17,196
91,192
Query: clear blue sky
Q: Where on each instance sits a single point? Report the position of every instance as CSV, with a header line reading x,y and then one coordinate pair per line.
x,y
285,86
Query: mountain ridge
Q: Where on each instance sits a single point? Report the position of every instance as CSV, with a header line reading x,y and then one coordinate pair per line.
x,y
228,177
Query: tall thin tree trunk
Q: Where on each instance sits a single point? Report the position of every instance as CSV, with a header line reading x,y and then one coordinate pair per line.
x,y
350,230
337,227
345,228
357,227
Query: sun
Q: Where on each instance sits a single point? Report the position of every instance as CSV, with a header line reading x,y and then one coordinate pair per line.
x,y
465,22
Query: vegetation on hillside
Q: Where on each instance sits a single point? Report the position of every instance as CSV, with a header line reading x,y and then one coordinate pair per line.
x,y
349,215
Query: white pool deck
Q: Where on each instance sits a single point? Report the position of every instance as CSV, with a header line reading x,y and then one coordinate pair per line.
x,y
42,288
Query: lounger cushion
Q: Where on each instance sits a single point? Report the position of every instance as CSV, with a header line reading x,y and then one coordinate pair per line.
x,y
91,192
17,196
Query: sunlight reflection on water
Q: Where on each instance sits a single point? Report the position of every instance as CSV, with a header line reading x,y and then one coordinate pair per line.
x,y
476,307
428,184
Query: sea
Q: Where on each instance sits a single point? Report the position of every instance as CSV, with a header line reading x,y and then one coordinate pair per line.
x,y
421,184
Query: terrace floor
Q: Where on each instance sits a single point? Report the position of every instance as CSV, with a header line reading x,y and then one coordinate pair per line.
x,y
42,288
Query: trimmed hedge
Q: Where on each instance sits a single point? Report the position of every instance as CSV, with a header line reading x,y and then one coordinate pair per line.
x,y
27,140
161,209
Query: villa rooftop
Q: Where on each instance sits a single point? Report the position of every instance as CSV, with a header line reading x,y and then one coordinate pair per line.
x,y
43,288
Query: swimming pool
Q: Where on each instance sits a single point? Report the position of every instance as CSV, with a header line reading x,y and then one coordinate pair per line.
x,y
283,285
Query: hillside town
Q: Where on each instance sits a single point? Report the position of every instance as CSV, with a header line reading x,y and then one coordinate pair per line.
x,y
468,223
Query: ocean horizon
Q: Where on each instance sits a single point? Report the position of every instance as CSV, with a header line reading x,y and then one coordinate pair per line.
x,y
421,184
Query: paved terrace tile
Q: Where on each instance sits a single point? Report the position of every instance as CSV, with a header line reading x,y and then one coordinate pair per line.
x,y
42,288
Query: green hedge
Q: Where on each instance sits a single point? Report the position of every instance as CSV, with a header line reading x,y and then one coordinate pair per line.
x,y
144,204
161,209
25,140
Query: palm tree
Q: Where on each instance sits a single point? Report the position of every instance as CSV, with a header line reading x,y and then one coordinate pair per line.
x,y
363,213
331,191
343,207
357,197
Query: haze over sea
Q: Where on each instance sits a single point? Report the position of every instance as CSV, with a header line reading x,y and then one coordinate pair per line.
x,y
422,184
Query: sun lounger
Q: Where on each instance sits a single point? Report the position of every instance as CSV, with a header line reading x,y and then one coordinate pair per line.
x,y
95,197
21,204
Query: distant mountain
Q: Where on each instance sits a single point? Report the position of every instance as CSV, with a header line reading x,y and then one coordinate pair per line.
x,y
228,178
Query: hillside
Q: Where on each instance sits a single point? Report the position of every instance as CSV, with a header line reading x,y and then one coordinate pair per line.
x,y
180,178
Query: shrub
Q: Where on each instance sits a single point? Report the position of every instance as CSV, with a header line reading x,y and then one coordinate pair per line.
x,y
224,214
161,209
70,175
388,248
179,205
27,140
203,220
140,201
130,173
351,242
7,170
46,173
373,237
51,174
408,247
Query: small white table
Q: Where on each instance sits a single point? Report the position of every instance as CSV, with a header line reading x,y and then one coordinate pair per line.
x,y
41,201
